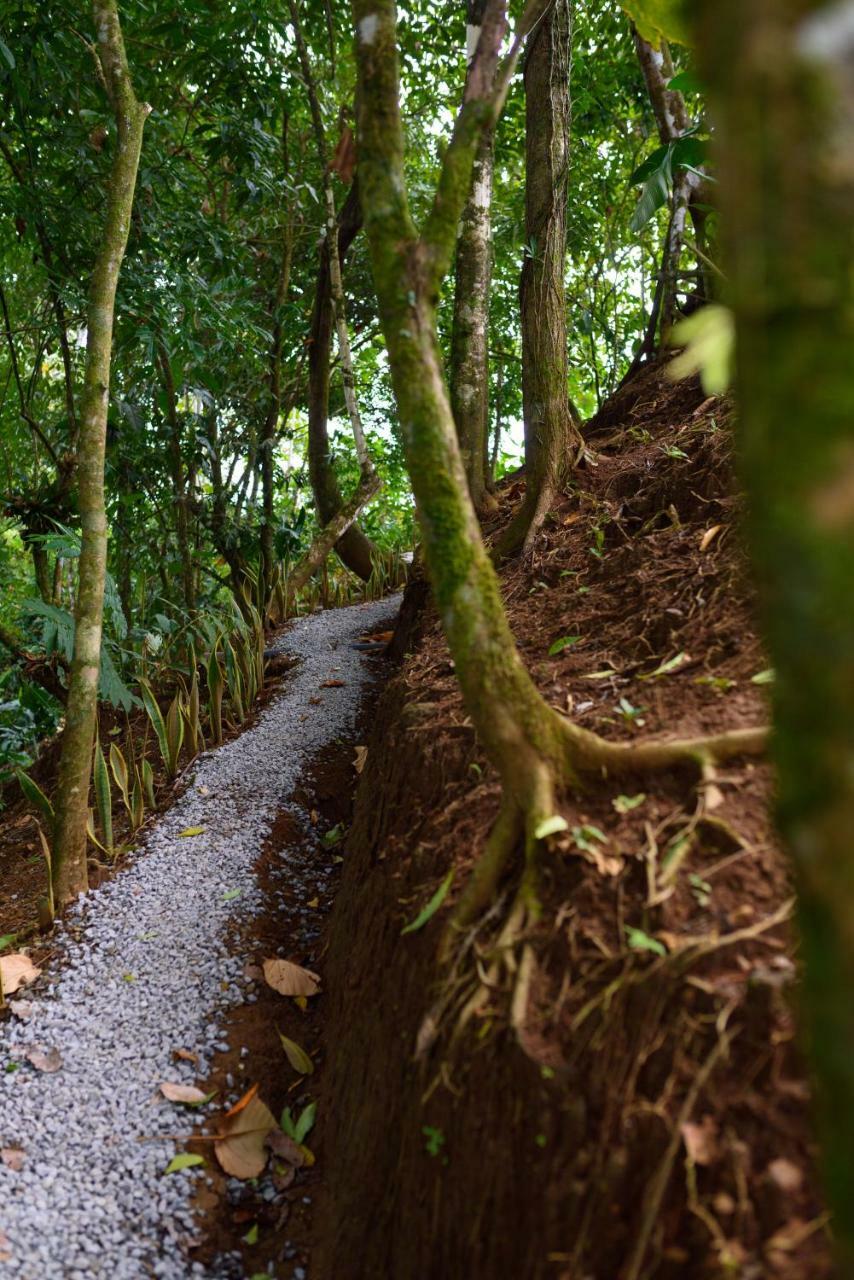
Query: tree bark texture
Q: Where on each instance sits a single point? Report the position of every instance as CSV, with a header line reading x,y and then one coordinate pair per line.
x,y
75,766
782,77
552,437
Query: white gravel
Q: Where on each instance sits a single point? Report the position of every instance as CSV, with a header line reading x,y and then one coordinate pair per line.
x,y
149,972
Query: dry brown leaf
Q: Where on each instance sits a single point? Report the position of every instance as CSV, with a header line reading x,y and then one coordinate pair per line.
x,y
360,758
709,536
313,817
281,1145
46,1060
333,684
572,517
241,1147
182,1092
13,1158
17,970
290,979
314,903
186,1055
701,1140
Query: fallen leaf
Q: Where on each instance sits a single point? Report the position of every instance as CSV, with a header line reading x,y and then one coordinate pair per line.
x,y
17,970
187,1093
786,1174
185,1160
290,979
709,536
701,1140
301,1003
281,1145
191,831
360,758
186,1055
297,1056
314,903
46,1060
333,684
241,1147
427,912
313,817
571,519
14,1157
251,1236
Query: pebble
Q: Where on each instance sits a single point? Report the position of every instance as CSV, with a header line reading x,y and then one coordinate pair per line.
x,y
91,1200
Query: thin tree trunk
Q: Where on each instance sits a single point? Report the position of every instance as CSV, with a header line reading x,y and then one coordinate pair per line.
x,y
179,483
672,121
782,78
552,436
72,796
469,363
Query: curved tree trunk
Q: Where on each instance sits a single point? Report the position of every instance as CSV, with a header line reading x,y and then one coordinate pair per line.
x,y
552,437
782,77
75,765
469,363
533,748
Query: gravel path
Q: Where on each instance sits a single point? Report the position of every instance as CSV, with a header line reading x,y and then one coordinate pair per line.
x,y
149,973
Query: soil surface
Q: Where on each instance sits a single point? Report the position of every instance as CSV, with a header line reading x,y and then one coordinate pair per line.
x,y
622,1096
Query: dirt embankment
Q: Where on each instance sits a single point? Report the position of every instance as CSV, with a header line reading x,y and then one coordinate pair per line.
x,y
648,1117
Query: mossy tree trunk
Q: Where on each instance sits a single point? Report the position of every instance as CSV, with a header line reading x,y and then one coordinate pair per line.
x,y
532,747
782,78
552,437
469,362
72,794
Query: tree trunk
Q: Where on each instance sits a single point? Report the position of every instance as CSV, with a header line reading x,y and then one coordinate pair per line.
x,y
782,78
469,365
179,484
72,796
532,747
673,121
552,437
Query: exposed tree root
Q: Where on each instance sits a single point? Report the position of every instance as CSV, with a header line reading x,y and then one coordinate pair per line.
x,y
531,801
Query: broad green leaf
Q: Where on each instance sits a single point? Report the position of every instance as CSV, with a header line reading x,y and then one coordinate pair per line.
x,y
103,797
640,941
708,337
665,668
36,796
657,20
550,827
565,642
763,677
431,908
686,82
191,831
185,1160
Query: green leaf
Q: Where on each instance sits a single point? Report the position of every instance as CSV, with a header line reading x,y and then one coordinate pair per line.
x,y
432,906
654,195
251,1236
665,668
583,836
640,941
231,894
36,796
186,1160
305,1123
763,677
657,20
708,337
103,797
625,804
8,55
191,831
550,827
297,1056
686,82
565,642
